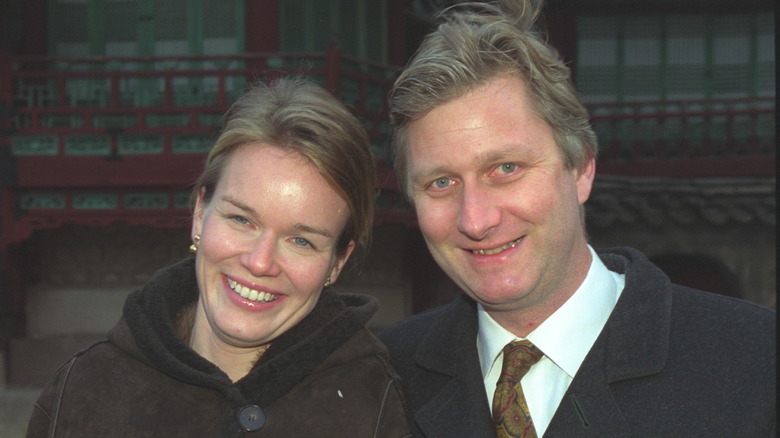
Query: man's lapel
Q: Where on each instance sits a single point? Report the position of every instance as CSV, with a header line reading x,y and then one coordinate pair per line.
x,y
457,405
633,344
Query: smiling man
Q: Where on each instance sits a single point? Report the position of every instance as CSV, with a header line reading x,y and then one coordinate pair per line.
x,y
550,337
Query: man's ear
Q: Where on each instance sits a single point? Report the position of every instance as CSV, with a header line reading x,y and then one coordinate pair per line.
x,y
585,176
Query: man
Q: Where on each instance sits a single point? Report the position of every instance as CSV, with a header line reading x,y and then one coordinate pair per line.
x,y
497,155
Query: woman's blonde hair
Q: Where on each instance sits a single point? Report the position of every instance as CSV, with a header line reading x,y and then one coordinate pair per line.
x,y
298,115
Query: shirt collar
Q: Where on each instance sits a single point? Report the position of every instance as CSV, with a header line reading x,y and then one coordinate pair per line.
x,y
567,335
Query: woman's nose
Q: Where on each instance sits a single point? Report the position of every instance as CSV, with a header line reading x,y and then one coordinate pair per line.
x,y
260,256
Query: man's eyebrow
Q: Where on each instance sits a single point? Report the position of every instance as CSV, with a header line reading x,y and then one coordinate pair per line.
x,y
298,226
508,153
425,175
314,230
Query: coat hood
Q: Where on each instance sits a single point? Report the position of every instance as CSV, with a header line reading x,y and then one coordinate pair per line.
x,y
146,331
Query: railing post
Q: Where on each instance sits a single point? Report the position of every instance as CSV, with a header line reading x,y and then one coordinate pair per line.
x,y
11,298
333,68
11,282
659,140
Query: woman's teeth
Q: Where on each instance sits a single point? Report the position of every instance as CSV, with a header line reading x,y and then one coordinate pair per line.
x,y
497,250
251,294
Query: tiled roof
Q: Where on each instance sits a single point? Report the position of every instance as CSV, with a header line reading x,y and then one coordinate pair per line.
x,y
658,201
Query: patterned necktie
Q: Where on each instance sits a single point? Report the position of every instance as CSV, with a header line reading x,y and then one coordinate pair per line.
x,y
510,411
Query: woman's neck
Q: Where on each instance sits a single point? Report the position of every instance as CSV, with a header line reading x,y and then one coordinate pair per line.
x,y
235,361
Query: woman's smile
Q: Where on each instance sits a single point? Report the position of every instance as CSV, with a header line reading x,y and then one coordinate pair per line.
x,y
251,294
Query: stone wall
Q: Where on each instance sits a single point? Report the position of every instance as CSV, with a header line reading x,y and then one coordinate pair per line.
x,y
727,224
77,278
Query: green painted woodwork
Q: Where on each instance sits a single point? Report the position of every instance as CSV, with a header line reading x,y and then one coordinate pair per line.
x,y
192,144
87,144
145,27
156,120
147,201
181,200
34,145
359,27
137,144
41,201
661,57
95,201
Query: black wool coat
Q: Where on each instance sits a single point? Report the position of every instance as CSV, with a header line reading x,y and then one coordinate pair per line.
x,y
326,377
670,362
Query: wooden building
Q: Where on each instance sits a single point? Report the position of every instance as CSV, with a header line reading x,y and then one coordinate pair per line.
x,y
108,107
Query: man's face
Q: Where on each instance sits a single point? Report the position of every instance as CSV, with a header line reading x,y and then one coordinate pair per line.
x,y
497,206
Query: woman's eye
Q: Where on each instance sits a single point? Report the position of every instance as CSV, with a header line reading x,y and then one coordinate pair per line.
x,y
300,241
507,168
441,183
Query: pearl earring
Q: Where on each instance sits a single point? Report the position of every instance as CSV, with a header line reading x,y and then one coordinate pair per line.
x,y
195,242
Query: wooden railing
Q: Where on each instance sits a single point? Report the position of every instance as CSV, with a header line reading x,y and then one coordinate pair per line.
x,y
99,140
672,129
84,106
172,105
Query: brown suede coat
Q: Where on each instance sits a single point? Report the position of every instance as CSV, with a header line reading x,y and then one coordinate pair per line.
x,y
326,377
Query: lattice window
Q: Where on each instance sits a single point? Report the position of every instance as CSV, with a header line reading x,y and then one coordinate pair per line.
x,y
663,57
358,26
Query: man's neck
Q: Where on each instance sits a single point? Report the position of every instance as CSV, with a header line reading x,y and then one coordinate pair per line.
x,y
523,320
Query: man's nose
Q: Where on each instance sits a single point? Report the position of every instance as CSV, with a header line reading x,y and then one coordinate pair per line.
x,y
478,213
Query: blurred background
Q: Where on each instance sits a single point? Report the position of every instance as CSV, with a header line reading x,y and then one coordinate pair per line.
x,y
108,107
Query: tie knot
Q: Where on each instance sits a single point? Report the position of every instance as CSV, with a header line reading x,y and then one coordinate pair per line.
x,y
519,356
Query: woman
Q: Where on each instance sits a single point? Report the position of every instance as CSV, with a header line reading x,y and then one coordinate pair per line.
x,y
245,338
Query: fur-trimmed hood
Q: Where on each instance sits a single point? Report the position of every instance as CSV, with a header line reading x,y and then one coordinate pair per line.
x,y
328,376
147,333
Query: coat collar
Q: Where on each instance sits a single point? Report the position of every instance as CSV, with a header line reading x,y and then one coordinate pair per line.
x,y
633,344
449,349
146,331
457,327
636,336
635,339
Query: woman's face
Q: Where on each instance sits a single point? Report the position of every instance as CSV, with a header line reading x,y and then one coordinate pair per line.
x,y
268,243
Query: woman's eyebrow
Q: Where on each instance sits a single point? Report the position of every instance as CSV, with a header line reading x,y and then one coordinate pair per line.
x,y
299,226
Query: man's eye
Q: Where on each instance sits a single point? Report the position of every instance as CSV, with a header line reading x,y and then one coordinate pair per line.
x,y
241,220
507,168
441,183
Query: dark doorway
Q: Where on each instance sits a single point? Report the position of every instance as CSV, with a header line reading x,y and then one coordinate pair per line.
x,y
699,272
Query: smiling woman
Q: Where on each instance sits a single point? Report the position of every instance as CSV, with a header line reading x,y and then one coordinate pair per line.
x,y
267,246
247,335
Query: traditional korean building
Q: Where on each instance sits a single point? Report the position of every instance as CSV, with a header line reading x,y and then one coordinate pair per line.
x,y
108,107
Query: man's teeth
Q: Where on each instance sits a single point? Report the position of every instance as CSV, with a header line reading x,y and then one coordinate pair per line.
x,y
251,294
497,250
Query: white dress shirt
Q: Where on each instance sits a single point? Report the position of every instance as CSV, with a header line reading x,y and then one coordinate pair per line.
x,y
565,338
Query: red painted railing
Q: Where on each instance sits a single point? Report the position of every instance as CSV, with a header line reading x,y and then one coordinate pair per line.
x,y
169,95
687,138
99,140
146,122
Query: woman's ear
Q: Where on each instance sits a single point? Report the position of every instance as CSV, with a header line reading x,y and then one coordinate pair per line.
x,y
197,214
341,260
